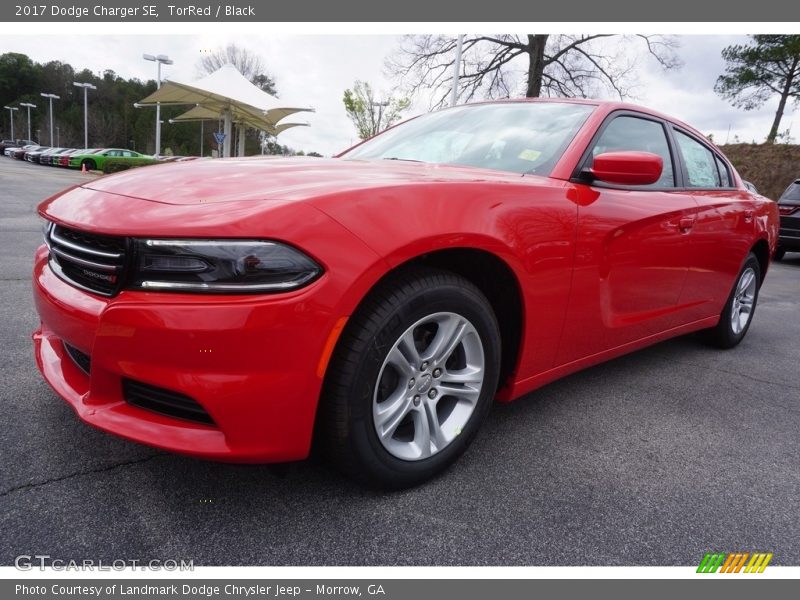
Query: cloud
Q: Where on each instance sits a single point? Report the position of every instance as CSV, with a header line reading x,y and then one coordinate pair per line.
x,y
315,71
688,94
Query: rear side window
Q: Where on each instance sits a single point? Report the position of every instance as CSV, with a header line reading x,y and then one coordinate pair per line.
x,y
724,174
626,133
701,163
792,193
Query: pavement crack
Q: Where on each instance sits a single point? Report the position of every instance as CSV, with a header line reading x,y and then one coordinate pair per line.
x,y
745,376
37,484
737,373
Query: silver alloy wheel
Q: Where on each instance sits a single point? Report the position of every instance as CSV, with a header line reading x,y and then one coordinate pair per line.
x,y
428,386
743,299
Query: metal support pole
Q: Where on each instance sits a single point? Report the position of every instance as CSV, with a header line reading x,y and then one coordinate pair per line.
x,y
29,106
240,133
158,113
50,97
51,121
456,71
11,110
226,145
160,59
85,118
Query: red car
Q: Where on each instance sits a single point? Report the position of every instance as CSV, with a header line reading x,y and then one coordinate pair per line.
x,y
376,303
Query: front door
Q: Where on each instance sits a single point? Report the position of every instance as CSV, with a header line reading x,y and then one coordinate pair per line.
x,y
632,250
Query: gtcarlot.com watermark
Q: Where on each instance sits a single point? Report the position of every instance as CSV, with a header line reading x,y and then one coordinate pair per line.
x,y
28,562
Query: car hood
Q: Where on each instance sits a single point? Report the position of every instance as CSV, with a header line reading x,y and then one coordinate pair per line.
x,y
283,179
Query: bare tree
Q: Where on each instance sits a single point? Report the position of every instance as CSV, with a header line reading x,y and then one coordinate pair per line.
x,y
104,128
248,63
497,66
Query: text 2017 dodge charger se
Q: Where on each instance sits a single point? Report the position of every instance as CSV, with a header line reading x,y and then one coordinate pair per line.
x,y
378,302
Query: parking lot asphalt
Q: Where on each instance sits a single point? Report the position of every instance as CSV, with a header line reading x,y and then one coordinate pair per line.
x,y
652,459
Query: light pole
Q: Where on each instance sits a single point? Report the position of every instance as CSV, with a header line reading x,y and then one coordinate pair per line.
x,y
29,106
159,59
86,87
456,71
11,110
51,97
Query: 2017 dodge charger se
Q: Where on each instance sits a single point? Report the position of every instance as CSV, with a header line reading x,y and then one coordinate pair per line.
x,y
378,302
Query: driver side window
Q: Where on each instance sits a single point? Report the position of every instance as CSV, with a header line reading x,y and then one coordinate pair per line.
x,y
633,134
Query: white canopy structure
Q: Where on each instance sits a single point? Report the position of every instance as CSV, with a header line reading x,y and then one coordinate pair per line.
x,y
202,113
226,94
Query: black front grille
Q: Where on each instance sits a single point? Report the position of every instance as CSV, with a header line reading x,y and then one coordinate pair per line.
x,y
82,360
165,402
95,263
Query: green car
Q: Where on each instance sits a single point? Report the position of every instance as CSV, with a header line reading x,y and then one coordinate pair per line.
x,y
94,159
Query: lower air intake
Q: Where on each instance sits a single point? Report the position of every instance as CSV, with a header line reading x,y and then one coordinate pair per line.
x,y
81,360
165,402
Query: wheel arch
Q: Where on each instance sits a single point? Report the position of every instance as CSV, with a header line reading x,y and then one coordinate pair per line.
x,y
492,275
761,251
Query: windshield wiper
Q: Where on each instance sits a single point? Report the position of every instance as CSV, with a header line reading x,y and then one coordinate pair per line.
x,y
403,159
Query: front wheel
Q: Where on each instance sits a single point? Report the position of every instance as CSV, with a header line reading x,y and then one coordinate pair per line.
x,y
411,380
779,253
739,309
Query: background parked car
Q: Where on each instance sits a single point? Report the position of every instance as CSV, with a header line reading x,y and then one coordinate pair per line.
x,y
63,159
53,158
34,155
10,150
46,157
789,208
19,153
5,144
97,159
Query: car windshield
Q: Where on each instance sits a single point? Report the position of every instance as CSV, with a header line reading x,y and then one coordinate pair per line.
x,y
792,193
521,137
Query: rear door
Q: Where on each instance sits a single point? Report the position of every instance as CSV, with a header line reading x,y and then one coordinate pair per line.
x,y
723,230
632,248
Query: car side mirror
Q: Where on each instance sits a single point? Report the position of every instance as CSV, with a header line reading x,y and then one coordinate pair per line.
x,y
627,168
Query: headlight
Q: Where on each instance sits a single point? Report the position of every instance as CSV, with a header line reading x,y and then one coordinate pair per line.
x,y
221,266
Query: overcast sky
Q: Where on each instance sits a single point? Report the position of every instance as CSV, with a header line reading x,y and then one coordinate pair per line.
x,y
315,71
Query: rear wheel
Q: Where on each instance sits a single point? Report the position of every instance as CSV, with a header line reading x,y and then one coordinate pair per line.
x,y
412,379
739,309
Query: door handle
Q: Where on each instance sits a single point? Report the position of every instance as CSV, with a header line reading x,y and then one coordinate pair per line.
x,y
748,216
685,224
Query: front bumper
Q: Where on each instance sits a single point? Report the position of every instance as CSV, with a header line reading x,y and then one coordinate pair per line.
x,y
253,364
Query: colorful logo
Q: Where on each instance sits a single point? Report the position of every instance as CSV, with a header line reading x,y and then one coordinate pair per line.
x,y
734,562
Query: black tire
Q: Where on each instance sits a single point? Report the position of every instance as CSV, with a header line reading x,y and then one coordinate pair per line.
x,y
723,335
90,165
345,424
779,253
